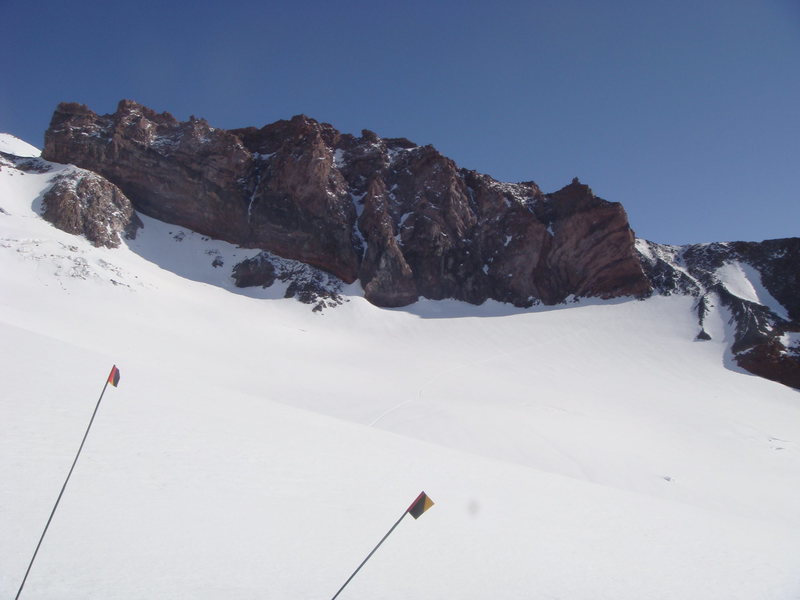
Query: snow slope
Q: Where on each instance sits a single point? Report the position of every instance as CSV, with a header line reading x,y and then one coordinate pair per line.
x,y
16,146
256,449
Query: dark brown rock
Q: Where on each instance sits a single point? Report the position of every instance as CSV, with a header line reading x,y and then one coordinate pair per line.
x,y
593,251
300,207
305,283
205,179
458,234
183,173
256,271
385,275
772,361
402,218
83,203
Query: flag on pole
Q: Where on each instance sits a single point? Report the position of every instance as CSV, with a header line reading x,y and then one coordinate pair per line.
x,y
113,377
420,505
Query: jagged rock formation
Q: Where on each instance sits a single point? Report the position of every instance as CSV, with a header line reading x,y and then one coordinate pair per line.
x,y
284,199
766,325
82,203
304,282
403,219
406,222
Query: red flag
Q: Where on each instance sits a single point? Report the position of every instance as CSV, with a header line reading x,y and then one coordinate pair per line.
x,y
113,377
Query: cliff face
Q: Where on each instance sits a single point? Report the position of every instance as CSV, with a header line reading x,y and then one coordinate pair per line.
x,y
207,180
403,219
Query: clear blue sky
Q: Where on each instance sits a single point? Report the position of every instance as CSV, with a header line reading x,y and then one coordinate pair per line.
x,y
687,112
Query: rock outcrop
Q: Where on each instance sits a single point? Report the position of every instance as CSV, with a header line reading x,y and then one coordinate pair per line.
x,y
762,298
403,219
307,284
84,203
81,202
278,193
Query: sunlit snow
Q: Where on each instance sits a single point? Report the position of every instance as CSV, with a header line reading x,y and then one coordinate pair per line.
x,y
744,281
255,449
14,145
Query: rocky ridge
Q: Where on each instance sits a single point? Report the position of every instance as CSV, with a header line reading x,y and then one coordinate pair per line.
x,y
407,222
401,218
756,283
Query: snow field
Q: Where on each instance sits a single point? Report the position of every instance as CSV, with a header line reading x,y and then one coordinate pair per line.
x,y
255,448
185,491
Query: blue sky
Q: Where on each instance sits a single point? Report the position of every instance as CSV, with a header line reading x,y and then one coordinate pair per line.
x,y
686,112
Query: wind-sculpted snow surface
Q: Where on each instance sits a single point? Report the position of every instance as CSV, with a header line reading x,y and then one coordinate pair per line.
x,y
403,219
255,448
